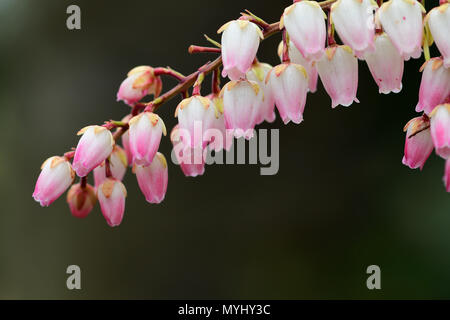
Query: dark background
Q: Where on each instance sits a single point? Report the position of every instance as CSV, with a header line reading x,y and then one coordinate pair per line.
x,y
342,199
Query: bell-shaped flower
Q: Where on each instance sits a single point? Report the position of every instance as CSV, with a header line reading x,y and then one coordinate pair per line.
x,y
218,137
111,195
266,109
447,175
438,20
126,141
55,177
153,179
435,85
338,70
240,102
191,160
240,43
418,143
140,82
402,21
95,145
310,66
289,83
385,64
196,115
440,130
118,164
305,23
145,132
81,200
354,23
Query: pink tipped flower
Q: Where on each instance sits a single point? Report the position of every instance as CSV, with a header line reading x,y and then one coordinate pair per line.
x,y
140,82
354,22
435,85
240,43
386,65
118,163
153,179
56,176
126,141
81,200
447,175
440,130
196,116
266,109
146,130
438,20
240,102
418,144
218,137
305,23
338,70
191,161
402,21
289,83
297,58
111,195
94,147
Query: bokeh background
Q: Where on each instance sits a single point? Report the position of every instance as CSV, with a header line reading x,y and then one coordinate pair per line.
x,y
342,199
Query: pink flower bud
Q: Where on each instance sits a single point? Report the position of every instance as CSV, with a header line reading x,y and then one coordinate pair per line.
x,y
56,176
289,83
447,175
338,70
191,161
111,195
305,23
240,43
402,21
140,82
126,141
266,109
440,130
94,147
196,116
240,102
297,58
218,137
118,164
439,22
435,85
153,179
386,65
81,200
354,23
145,132
418,144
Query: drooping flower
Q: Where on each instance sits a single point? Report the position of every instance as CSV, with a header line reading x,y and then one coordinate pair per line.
x,y
289,83
418,143
240,102
126,141
402,21
218,137
196,116
435,85
266,109
338,70
111,195
438,20
297,58
153,179
191,161
354,23
240,43
305,23
386,65
440,130
95,145
55,177
145,130
447,175
140,82
118,163
81,200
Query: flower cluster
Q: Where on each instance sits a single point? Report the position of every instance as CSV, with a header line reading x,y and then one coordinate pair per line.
x,y
383,35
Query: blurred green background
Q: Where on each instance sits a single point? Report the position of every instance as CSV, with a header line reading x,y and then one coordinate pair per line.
x,y
342,199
